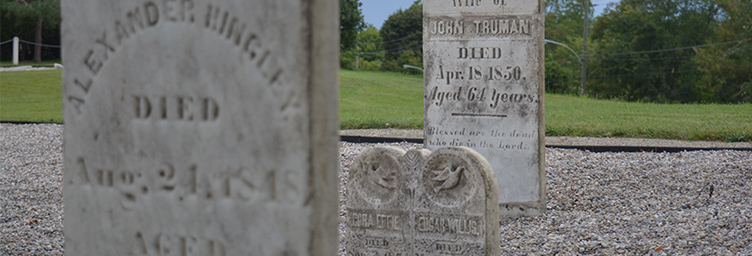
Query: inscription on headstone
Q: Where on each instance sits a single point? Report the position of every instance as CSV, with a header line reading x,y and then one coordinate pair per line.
x,y
422,203
197,127
484,90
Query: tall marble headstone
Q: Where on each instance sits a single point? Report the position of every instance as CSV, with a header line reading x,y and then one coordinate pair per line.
x,y
198,127
484,87
422,203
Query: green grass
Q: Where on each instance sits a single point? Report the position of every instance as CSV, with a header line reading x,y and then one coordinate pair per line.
x,y
33,96
390,100
579,116
373,99
44,63
380,100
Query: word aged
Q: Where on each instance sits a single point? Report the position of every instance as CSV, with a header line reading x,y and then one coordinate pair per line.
x,y
177,245
466,94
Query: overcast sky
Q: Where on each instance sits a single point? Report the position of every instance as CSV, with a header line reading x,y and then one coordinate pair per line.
x,y
376,12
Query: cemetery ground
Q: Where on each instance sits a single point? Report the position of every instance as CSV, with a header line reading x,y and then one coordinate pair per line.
x,y
687,203
392,100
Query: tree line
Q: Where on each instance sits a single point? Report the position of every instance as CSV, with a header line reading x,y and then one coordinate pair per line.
x,y
37,20
667,51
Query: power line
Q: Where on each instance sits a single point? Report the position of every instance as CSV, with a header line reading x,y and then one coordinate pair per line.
x,y
666,72
677,48
395,40
673,57
667,50
400,49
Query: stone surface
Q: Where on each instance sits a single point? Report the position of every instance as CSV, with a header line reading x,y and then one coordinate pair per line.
x,y
484,90
198,127
422,203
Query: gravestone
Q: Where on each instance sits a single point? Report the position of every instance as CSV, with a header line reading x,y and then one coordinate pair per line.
x,y
484,87
422,203
197,127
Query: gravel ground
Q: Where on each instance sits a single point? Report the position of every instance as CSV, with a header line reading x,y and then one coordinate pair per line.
x,y
688,203
31,191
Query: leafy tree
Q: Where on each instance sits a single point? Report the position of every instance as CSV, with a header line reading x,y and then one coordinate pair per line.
x,y
351,23
370,43
642,53
42,13
369,53
401,32
564,24
725,67
409,57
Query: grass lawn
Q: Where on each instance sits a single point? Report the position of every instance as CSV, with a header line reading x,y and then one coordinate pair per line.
x,y
391,100
44,63
383,100
579,116
34,96
380,100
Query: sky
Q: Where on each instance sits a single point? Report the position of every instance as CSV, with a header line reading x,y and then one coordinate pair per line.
x,y
375,12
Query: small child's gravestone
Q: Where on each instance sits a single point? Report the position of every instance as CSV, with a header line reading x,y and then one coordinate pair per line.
x,y
422,203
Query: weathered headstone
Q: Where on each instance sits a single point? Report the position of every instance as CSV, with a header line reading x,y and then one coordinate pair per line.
x,y
422,203
197,127
484,90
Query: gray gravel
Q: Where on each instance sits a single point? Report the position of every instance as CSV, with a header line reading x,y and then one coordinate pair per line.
x,y
689,203
31,191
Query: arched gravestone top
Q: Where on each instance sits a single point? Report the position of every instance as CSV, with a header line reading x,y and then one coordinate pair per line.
x,y
200,127
422,203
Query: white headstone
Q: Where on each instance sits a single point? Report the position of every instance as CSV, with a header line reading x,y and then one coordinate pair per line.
x,y
422,203
198,127
484,90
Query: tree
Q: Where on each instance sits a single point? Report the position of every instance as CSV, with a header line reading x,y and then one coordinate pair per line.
x,y
371,43
402,33
725,66
351,23
369,53
564,24
642,52
39,12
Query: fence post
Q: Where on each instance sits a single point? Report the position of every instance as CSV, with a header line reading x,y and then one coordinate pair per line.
x,y
15,50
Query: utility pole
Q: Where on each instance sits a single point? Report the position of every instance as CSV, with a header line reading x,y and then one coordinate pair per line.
x,y
357,57
584,47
